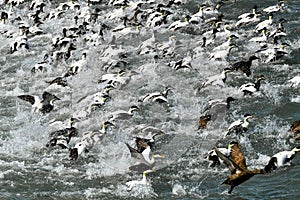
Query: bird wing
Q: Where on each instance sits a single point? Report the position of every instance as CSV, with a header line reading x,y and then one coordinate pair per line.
x,y
28,98
141,144
232,166
238,157
248,86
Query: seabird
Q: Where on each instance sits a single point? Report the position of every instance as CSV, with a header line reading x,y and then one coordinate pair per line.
x,y
160,97
239,126
133,183
45,105
212,155
143,155
62,137
295,127
219,109
280,159
179,24
123,115
237,166
203,120
264,24
244,66
217,79
78,65
88,140
275,8
222,54
294,82
262,38
250,88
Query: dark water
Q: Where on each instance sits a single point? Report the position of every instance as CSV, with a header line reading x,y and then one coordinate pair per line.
x,y
30,170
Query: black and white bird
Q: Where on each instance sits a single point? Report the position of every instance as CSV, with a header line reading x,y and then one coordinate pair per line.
x,y
217,79
88,141
144,159
295,81
63,136
276,8
212,155
218,109
143,181
280,159
244,66
123,115
239,126
160,97
44,106
250,88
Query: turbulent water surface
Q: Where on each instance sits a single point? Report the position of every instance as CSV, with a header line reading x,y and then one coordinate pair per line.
x,y
30,170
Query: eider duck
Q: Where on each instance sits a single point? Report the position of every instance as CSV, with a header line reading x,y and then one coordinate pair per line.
x,y
216,79
203,120
244,66
222,54
294,82
212,155
62,137
44,106
280,159
275,8
160,97
218,109
237,166
88,140
295,128
123,115
133,183
239,126
264,24
250,88
145,159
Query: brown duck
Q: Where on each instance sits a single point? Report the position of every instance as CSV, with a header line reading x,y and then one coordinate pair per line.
x,y
237,166
295,127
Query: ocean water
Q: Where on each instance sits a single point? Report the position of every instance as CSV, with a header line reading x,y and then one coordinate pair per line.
x,y
30,170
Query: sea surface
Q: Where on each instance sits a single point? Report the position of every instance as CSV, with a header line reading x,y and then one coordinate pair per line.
x,y
30,170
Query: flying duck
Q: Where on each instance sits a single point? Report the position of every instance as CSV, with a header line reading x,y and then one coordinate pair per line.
x,y
237,166
239,126
244,66
44,106
250,88
280,159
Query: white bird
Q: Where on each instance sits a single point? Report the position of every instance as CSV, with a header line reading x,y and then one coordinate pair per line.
x,y
88,140
212,155
44,106
134,183
262,38
247,20
281,159
221,54
239,126
179,24
160,97
264,24
275,8
250,88
123,115
79,65
294,82
245,15
217,79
